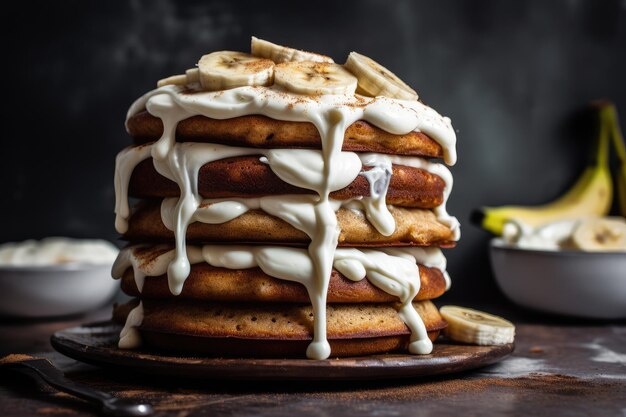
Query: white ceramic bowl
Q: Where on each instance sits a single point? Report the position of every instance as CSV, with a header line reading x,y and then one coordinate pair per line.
x,y
580,284
55,290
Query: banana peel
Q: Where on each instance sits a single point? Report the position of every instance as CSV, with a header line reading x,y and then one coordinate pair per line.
x,y
591,195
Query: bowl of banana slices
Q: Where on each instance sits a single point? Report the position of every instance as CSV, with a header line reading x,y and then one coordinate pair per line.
x,y
570,267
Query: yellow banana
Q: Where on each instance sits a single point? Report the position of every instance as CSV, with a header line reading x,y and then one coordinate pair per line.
x,y
591,195
620,184
620,149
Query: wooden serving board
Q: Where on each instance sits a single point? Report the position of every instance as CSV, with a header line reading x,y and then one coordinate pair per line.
x,y
96,344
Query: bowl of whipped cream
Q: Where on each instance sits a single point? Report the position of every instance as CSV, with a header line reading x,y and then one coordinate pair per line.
x,y
55,276
572,267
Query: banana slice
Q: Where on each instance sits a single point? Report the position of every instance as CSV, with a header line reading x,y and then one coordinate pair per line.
x,y
193,75
475,327
315,78
279,54
376,80
180,79
601,234
190,76
228,69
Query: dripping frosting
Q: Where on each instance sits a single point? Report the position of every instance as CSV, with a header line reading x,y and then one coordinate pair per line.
x,y
295,166
393,270
321,171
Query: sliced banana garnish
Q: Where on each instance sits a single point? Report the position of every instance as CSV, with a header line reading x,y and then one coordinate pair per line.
x,y
279,54
193,75
180,79
376,80
189,77
601,234
475,327
314,78
228,69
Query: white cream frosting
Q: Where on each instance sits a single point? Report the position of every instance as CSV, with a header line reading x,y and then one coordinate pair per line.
x,y
395,116
245,256
549,236
57,251
382,160
294,166
129,336
393,270
322,171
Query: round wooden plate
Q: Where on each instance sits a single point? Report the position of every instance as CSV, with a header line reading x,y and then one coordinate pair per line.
x,y
96,343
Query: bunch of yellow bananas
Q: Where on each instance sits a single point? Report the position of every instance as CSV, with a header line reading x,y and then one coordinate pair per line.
x,y
591,195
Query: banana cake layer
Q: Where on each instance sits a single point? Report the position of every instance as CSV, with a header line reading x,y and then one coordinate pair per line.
x,y
249,177
209,283
418,227
264,132
262,330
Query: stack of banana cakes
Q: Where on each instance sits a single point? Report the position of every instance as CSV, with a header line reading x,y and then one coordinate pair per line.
x,y
284,206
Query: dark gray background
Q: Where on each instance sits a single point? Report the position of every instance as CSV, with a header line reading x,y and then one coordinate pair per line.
x,y
514,76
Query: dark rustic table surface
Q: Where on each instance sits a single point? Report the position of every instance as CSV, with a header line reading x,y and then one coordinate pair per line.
x,y
559,368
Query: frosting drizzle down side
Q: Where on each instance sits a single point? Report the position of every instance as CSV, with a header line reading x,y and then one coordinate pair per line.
x,y
392,115
296,166
393,270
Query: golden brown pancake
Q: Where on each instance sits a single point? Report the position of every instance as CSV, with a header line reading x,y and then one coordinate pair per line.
x,y
417,227
209,283
259,348
248,177
264,132
261,330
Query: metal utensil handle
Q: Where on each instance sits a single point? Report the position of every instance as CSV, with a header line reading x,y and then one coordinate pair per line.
x,y
110,405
